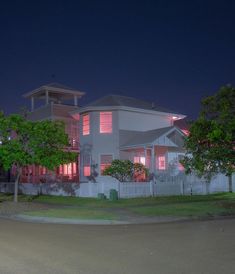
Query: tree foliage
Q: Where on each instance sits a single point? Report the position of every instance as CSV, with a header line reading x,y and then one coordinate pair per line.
x,y
25,142
211,143
125,170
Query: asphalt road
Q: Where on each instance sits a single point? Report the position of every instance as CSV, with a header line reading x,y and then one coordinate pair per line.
x,y
187,247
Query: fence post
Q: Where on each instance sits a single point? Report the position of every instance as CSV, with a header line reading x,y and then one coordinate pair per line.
x,y
182,187
151,188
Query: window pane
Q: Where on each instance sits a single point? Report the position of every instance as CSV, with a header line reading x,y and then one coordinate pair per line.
x,y
161,162
86,124
105,161
106,122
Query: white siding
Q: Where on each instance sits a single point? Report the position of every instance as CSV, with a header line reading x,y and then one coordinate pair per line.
x,y
139,121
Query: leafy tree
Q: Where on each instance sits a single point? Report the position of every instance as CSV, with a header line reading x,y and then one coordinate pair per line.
x,y
211,143
125,170
26,142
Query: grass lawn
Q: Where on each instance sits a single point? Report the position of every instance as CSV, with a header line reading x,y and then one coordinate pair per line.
x,y
92,208
192,209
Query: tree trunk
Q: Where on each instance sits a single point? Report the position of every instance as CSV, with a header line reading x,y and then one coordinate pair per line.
x,y
230,183
17,185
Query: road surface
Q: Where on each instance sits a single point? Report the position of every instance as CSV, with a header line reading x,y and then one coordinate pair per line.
x,y
187,247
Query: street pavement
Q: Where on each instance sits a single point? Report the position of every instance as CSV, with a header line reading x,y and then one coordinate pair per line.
x,y
179,248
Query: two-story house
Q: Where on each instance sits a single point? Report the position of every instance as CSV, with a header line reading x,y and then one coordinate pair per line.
x,y
112,127
120,127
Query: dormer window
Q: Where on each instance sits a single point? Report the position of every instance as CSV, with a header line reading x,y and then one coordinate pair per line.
x,y
106,122
86,124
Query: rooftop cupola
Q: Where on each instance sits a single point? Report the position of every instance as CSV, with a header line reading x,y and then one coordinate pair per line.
x,y
54,93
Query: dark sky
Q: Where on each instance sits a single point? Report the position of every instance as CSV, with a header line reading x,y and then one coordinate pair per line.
x,y
170,52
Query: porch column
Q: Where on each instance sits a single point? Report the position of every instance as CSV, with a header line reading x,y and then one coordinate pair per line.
x,y
152,166
47,97
32,103
75,100
145,155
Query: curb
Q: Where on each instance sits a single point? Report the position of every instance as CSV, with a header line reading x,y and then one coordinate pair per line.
x,y
52,220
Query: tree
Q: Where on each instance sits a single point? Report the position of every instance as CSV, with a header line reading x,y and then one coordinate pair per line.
x,y
125,170
211,143
25,142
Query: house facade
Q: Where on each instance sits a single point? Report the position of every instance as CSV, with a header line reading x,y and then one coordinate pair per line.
x,y
112,127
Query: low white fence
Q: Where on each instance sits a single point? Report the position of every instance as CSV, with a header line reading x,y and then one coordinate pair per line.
x,y
162,185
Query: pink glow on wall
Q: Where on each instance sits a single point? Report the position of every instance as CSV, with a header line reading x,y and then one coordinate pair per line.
x,y
185,131
175,117
86,124
106,122
181,167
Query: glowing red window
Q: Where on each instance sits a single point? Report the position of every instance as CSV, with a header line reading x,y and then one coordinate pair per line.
x,y
87,170
86,124
105,161
139,160
161,162
106,122
86,165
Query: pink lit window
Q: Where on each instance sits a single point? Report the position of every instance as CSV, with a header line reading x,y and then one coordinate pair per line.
x,y
87,170
86,165
74,168
139,160
161,162
106,122
86,124
105,161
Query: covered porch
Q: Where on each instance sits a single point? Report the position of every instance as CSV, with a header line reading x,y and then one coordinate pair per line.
x,y
159,150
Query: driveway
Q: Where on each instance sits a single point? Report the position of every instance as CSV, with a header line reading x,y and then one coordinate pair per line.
x,y
186,247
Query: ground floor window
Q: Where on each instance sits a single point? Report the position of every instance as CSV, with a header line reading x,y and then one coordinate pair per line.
x,y
86,165
140,160
161,162
105,161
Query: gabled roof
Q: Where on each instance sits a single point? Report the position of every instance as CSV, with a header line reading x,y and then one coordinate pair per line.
x,y
113,100
149,137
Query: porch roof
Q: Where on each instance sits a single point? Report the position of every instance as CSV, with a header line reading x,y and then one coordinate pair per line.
x,y
152,137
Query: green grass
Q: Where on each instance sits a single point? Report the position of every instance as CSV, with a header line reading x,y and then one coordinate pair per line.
x,y
73,213
93,202
193,209
92,208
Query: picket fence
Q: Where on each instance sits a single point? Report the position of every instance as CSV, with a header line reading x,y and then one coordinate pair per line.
x,y
162,185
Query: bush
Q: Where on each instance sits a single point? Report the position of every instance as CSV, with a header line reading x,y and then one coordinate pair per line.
x,y
125,170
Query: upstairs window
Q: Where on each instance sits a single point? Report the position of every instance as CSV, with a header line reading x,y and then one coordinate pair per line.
x,y
86,124
105,161
106,122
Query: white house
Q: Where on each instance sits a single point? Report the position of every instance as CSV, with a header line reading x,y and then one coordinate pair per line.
x,y
120,127
112,127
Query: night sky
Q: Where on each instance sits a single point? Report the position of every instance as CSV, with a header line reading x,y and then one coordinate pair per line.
x,y
170,52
